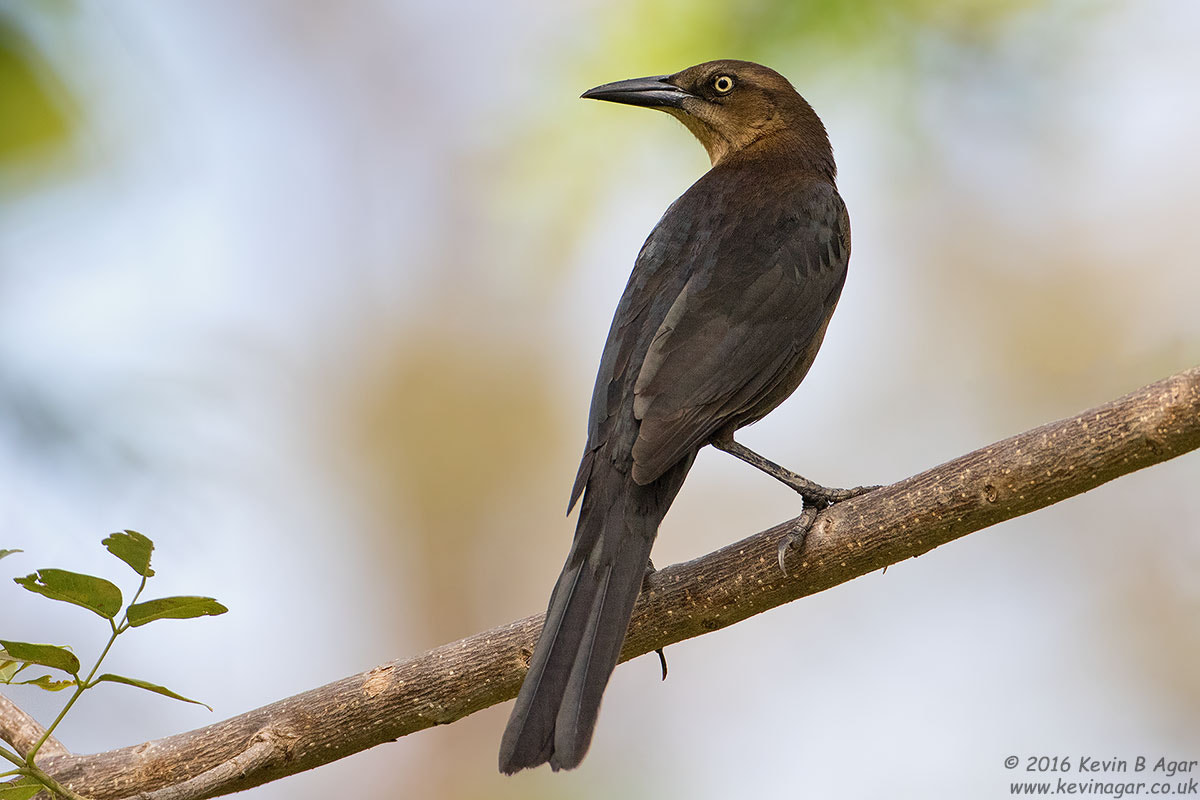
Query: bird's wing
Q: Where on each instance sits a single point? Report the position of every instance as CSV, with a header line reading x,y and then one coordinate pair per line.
x,y
743,322
658,276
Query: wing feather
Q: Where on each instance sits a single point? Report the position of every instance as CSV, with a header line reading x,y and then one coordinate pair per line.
x,y
725,306
735,336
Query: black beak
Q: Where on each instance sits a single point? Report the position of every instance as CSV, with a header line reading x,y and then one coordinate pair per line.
x,y
655,92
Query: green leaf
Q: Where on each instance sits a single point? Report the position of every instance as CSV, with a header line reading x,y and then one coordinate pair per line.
x,y
20,789
149,687
173,608
94,594
48,655
45,682
4,553
133,548
9,666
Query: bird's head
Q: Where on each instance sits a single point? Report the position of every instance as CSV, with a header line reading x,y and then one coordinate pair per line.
x,y
733,107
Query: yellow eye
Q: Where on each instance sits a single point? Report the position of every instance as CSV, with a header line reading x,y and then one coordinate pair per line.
x,y
723,84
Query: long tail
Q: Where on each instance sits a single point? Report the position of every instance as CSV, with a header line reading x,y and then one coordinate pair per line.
x,y
586,621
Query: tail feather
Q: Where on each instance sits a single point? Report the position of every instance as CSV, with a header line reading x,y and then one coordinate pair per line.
x,y
529,738
586,620
607,625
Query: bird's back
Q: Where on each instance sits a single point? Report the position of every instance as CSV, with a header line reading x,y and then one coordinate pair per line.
x,y
748,264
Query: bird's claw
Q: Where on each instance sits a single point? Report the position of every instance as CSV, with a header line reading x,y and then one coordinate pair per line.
x,y
662,657
816,498
795,538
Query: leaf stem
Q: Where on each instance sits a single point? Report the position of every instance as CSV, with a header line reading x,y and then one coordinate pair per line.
x,y
13,757
86,683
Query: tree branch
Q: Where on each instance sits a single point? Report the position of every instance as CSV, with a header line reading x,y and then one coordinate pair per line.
x,y
1003,480
211,782
22,731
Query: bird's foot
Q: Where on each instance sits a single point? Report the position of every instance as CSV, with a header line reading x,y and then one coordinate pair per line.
x,y
662,657
818,495
796,536
814,494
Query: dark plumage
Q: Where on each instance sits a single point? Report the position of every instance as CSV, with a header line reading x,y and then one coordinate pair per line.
x,y
722,317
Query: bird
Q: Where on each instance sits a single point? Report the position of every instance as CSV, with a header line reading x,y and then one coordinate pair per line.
x,y
722,316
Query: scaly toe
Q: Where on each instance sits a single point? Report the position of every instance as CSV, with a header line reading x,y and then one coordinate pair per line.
x,y
795,539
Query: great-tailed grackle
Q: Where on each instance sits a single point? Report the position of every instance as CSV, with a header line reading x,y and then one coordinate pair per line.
x,y
722,317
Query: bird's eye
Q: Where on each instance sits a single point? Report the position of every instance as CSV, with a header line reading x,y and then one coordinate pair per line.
x,y
723,84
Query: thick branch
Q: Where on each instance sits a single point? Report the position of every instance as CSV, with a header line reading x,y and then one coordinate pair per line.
x,y
212,782
852,538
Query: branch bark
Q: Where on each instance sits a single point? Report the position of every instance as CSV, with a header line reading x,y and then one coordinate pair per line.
x,y
995,483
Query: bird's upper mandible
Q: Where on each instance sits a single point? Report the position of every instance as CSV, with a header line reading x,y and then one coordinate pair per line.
x,y
737,109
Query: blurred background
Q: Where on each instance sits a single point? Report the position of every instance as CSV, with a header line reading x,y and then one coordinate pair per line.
x,y
313,295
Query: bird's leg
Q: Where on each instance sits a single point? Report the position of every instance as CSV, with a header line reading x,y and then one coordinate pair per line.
x,y
814,494
662,657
